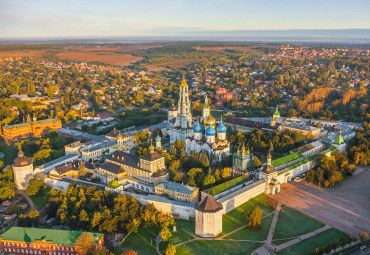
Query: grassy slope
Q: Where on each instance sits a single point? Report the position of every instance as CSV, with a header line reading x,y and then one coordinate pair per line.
x,y
238,217
216,247
292,223
321,240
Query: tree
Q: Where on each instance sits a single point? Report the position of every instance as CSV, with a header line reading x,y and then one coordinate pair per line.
x,y
7,185
171,249
255,217
129,253
309,136
174,166
257,161
310,175
165,234
335,177
225,173
82,169
34,186
208,181
83,216
85,244
363,236
216,175
191,182
178,177
32,219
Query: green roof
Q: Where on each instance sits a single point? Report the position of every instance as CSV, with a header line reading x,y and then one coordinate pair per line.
x,y
226,185
327,150
20,125
277,112
60,237
339,139
286,159
26,124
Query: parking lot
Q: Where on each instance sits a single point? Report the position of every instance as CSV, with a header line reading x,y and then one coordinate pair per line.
x,y
345,207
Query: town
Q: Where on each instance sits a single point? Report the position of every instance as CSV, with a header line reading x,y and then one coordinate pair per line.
x,y
222,155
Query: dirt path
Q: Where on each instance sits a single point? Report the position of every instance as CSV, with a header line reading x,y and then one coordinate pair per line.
x,y
29,200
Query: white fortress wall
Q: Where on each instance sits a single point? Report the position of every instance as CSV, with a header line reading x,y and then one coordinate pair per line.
x,y
239,197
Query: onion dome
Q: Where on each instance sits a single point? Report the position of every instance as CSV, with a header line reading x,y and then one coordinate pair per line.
x,y
198,128
119,137
221,128
210,131
158,138
125,135
183,82
151,147
21,160
173,108
209,121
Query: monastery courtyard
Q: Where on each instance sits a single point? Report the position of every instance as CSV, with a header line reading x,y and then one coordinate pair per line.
x,y
345,207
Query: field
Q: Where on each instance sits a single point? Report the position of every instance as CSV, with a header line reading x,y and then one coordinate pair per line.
x,y
104,55
321,240
216,247
238,217
292,223
174,63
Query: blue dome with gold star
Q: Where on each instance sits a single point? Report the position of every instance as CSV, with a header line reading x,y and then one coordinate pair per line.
x,y
210,131
221,128
198,128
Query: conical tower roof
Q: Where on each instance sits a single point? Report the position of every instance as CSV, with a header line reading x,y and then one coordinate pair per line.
x,y
339,139
209,205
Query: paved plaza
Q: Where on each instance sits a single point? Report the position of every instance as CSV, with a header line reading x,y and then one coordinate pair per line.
x,y
345,207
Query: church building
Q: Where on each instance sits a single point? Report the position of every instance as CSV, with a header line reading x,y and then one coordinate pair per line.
x,y
243,160
182,126
217,146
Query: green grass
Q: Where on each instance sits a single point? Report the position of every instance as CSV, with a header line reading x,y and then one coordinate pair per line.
x,y
226,185
327,150
318,241
139,242
216,247
41,199
283,160
259,234
180,235
293,223
303,162
238,217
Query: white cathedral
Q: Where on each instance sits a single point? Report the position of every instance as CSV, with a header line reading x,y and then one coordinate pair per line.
x,y
213,141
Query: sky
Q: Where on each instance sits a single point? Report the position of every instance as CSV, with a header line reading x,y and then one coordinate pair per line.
x,y
119,18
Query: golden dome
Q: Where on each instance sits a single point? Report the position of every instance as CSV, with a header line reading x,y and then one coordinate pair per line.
x,y
209,120
119,137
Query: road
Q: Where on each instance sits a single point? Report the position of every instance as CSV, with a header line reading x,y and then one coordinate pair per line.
x,y
357,251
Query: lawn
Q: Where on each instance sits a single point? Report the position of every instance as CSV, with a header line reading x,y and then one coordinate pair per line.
x,y
293,223
139,242
227,185
238,217
283,160
318,241
257,235
216,247
180,235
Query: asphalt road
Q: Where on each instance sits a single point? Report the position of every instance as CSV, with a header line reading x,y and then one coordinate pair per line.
x,y
357,251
